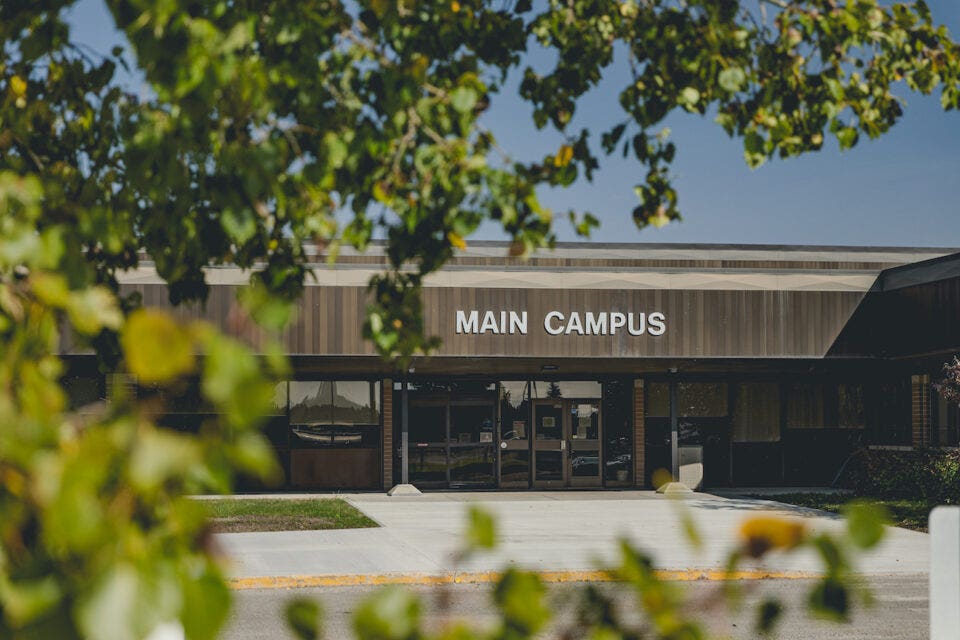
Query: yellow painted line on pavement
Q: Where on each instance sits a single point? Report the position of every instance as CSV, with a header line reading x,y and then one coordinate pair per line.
x,y
429,579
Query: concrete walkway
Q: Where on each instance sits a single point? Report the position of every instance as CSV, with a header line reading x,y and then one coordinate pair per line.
x,y
545,531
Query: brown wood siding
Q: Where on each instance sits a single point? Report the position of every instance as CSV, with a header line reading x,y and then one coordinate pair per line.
x,y
909,321
700,323
334,468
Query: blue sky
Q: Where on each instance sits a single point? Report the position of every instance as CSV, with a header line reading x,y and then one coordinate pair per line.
x,y
902,189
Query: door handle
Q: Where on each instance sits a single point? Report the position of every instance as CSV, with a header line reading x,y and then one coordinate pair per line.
x,y
563,445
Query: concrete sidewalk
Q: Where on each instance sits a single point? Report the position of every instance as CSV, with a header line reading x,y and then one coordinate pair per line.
x,y
544,531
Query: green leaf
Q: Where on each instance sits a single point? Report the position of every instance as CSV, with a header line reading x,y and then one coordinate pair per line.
x,y
847,136
26,600
521,597
206,603
391,613
156,349
269,310
481,530
463,99
94,309
689,97
865,523
232,380
240,226
732,79
754,149
337,150
303,618
160,455
110,611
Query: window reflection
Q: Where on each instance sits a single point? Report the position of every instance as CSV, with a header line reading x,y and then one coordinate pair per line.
x,y
342,402
540,389
311,402
356,402
514,411
851,412
334,413
617,430
702,399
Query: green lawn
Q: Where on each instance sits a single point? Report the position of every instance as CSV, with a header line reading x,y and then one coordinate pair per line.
x,y
910,514
235,515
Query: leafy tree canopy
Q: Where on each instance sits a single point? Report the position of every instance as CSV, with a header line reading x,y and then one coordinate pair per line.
x,y
262,122
267,118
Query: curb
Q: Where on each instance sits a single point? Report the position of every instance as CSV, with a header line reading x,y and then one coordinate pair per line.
x,y
482,577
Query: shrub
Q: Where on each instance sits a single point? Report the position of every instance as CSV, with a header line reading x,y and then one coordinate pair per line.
x,y
931,474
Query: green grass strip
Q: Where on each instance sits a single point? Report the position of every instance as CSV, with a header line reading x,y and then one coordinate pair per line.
x,y
233,515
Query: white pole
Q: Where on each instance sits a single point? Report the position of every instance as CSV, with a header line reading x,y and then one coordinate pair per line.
x,y
945,573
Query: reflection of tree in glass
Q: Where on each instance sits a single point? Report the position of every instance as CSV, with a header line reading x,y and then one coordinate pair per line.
x,y
553,391
343,402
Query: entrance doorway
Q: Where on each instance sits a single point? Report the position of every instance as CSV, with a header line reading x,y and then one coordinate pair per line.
x,y
566,443
452,443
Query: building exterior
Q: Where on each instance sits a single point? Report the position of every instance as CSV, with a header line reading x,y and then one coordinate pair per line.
x,y
595,365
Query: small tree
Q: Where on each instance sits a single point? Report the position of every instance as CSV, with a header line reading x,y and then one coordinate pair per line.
x,y
949,385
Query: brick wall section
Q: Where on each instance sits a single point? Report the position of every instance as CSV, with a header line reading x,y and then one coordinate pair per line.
x,y
387,414
920,410
639,446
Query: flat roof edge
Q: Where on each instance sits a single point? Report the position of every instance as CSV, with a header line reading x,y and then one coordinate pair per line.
x,y
716,246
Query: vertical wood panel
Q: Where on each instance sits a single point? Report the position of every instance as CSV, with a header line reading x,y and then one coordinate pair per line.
x,y
700,323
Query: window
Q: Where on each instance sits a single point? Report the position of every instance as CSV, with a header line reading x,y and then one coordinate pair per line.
x,y
702,399
618,431
756,413
514,411
804,406
946,420
335,413
311,402
657,404
850,409
891,413
356,402
565,389
335,402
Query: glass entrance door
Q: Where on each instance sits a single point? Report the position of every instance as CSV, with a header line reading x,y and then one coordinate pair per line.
x,y
566,445
428,444
452,444
584,438
549,444
472,454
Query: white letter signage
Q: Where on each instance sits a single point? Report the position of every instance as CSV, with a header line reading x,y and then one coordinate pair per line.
x,y
557,323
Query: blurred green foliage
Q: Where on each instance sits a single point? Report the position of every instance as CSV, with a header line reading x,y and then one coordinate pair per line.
x,y
523,607
259,123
